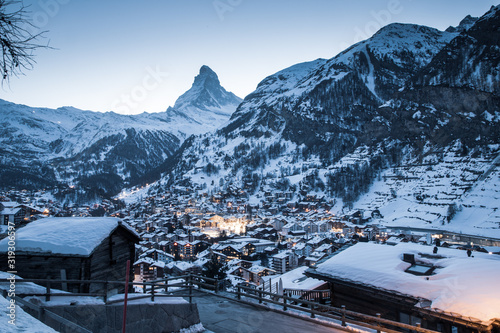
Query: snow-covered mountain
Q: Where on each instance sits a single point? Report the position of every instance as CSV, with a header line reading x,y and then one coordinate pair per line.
x,y
332,127
204,107
464,25
42,147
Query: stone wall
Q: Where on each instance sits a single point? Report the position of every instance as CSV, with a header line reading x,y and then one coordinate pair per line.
x,y
147,317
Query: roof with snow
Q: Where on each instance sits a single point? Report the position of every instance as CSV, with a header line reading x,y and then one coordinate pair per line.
x,y
469,287
295,279
10,211
65,235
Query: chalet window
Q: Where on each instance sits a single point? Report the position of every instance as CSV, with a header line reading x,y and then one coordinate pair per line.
x,y
418,269
408,319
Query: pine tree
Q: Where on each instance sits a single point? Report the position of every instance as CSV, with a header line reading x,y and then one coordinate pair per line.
x,y
214,269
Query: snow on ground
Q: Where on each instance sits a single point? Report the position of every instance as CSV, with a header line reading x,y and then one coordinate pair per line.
x,y
138,298
74,235
468,286
23,321
23,287
134,195
193,329
419,196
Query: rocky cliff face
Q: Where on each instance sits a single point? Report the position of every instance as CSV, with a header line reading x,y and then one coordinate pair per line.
x,y
469,61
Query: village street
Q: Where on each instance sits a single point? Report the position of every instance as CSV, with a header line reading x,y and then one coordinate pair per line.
x,y
220,315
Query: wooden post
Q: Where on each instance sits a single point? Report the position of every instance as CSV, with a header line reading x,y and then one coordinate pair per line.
x,y
284,303
343,315
378,323
42,314
64,285
153,292
166,286
190,284
260,296
47,296
106,291
216,285
126,298
238,295
312,309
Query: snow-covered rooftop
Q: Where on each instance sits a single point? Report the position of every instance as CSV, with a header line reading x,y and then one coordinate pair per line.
x,y
468,286
64,235
295,279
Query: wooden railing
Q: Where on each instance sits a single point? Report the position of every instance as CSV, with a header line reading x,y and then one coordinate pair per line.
x,y
41,313
318,296
157,288
286,301
151,290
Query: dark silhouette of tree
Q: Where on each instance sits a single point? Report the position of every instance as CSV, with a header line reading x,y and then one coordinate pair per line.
x,y
16,41
214,269
264,259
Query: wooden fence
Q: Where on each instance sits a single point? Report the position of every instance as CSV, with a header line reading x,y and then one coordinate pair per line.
x,y
290,299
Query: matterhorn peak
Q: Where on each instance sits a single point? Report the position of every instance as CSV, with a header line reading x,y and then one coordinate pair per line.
x,y
207,93
207,75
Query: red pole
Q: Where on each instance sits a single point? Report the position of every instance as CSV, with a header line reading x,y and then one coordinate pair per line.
x,y
126,296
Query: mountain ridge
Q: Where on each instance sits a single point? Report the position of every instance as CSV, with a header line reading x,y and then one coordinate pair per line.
x,y
71,144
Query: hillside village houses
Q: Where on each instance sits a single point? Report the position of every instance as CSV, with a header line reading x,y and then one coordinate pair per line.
x,y
179,231
18,213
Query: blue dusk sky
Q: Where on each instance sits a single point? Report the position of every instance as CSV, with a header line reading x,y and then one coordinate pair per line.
x,y
135,56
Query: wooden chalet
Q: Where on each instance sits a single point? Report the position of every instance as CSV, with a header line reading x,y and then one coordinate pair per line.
x,y
16,213
147,269
446,292
73,248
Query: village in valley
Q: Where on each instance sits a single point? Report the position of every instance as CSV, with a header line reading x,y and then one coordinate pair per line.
x,y
276,242
358,193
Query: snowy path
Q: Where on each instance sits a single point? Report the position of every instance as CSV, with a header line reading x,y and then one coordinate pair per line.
x,y
221,315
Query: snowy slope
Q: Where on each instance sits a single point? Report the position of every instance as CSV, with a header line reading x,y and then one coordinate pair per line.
x,y
420,194
204,107
23,323
382,62
40,129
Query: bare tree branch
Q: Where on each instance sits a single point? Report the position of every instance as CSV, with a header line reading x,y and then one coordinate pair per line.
x,y
16,41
